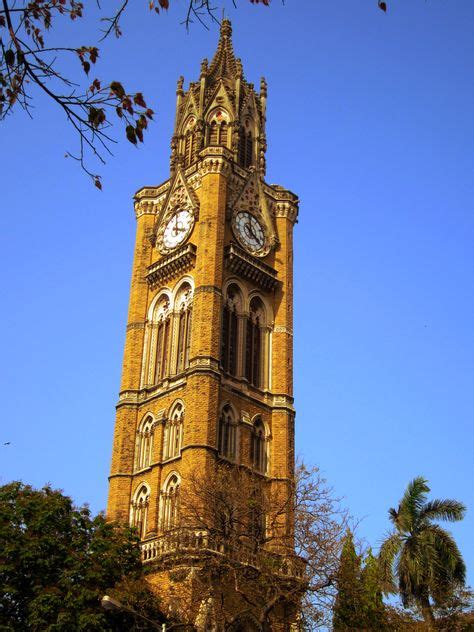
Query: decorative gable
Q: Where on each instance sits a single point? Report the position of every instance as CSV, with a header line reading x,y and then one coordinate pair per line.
x,y
252,198
180,196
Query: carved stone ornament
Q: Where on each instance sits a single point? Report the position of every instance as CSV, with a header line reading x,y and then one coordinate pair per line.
x,y
252,200
181,199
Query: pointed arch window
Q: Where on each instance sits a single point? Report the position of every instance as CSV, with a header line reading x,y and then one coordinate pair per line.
x,y
253,343
174,432
157,341
170,503
139,510
258,447
219,128
230,330
189,145
227,433
144,443
189,148
223,134
246,148
162,348
184,327
214,134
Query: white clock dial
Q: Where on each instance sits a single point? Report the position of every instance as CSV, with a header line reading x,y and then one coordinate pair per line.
x,y
177,229
249,231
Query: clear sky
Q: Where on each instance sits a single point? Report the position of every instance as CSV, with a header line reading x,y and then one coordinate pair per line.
x,y
370,122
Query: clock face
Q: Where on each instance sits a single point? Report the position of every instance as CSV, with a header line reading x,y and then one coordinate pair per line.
x,y
249,231
177,229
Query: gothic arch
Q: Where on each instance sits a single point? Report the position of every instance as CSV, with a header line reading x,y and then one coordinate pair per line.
x,y
182,311
232,330
188,148
245,622
169,502
173,434
266,307
154,309
157,341
144,442
218,127
259,445
139,508
256,343
242,288
228,432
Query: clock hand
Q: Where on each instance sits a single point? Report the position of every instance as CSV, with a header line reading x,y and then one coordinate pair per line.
x,y
249,228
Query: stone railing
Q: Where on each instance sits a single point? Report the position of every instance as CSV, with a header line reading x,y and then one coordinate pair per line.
x,y
198,542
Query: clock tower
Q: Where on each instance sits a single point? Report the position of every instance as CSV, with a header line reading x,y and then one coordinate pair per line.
x,y
208,361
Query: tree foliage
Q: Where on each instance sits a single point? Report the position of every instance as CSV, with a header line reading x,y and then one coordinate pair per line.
x,y
419,558
90,104
254,526
57,561
348,606
359,602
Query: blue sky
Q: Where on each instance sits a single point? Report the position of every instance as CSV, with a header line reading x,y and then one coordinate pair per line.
x,y
370,122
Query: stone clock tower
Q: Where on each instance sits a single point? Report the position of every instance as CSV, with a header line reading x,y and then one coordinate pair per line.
x,y
208,362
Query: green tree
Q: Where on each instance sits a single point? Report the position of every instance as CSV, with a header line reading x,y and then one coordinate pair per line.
x,y
348,613
373,606
419,555
56,562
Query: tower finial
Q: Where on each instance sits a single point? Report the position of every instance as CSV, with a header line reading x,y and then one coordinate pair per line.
x,y
226,27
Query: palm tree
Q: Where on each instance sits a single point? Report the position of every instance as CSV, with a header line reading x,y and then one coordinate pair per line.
x,y
423,556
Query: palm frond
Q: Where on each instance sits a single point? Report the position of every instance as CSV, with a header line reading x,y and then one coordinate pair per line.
x,y
412,503
386,560
393,515
447,509
448,556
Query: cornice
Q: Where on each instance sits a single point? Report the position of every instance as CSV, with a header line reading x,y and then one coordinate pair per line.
x,y
146,207
148,192
172,265
287,210
215,160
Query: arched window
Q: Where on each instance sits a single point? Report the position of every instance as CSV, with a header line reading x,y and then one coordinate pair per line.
x,y
144,443
253,343
162,324
174,432
246,146
230,330
184,309
223,134
189,142
258,447
214,134
139,510
170,503
227,433
219,128
162,344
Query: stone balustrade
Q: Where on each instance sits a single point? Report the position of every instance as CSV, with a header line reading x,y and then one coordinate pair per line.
x,y
199,542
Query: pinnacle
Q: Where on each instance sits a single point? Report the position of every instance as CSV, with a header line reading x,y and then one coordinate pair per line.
x,y
226,28
224,63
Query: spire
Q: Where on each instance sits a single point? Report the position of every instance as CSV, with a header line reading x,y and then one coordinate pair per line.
x,y
224,64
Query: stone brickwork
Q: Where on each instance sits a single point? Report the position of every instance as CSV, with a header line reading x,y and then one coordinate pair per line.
x,y
211,183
